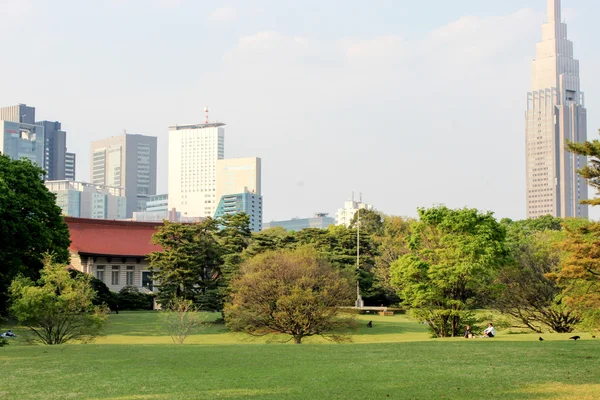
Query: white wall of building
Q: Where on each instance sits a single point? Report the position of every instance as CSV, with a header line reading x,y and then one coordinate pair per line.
x,y
193,154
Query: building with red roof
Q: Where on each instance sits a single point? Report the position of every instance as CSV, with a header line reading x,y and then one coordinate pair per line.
x,y
116,252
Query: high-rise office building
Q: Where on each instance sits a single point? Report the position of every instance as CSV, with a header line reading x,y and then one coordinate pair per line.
x,y
555,113
70,166
127,161
18,113
86,200
193,154
55,150
239,189
21,140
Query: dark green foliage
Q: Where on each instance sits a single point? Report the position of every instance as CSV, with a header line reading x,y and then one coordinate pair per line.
x,y
3,342
130,298
371,222
103,296
590,172
30,224
189,265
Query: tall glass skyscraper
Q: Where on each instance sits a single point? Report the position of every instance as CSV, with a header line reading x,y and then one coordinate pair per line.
x,y
555,113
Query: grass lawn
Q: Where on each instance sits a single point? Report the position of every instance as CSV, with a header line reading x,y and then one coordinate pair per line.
x,y
395,359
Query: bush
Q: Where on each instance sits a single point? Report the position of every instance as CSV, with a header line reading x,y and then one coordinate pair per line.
x,y
3,342
130,298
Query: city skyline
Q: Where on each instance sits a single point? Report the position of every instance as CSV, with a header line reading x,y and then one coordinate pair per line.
x,y
356,102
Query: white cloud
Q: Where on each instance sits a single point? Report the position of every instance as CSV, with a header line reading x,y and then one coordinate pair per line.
x,y
406,121
224,14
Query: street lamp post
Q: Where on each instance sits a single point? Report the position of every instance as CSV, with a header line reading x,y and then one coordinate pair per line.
x,y
359,301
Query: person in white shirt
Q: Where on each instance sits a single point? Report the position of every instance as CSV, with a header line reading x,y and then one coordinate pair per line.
x,y
490,331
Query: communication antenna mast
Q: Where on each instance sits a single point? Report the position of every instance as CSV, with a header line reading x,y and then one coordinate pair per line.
x,y
206,112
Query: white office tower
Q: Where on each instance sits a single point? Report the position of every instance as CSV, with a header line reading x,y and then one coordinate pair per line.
x,y
193,154
344,215
555,114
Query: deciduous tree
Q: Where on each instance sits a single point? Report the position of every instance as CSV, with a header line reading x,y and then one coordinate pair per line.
x,y
454,255
58,308
292,292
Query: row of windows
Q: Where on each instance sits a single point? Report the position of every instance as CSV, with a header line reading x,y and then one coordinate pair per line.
x,y
116,274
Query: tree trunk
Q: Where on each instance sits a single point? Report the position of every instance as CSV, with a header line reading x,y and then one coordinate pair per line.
x,y
297,339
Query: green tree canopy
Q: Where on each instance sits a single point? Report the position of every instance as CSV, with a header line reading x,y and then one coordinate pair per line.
x,y
292,292
30,224
189,265
58,308
454,256
371,222
590,172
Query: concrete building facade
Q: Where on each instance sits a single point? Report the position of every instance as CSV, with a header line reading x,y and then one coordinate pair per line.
x,y
555,113
127,161
86,200
19,113
70,166
344,215
193,154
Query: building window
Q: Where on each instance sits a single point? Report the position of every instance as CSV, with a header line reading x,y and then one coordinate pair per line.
x,y
147,280
115,275
100,272
130,274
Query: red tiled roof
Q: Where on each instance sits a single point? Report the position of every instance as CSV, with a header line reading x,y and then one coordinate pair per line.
x,y
112,238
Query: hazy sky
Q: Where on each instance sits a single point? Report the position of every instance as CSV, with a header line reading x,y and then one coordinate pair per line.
x,y
412,103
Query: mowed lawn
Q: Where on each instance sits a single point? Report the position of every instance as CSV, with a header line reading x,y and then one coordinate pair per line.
x,y
395,359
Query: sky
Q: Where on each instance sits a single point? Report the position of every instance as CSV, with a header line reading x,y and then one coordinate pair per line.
x,y
411,103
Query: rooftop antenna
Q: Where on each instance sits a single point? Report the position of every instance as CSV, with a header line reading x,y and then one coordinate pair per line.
x,y
360,198
206,112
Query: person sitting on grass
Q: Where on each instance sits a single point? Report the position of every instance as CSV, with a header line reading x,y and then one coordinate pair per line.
x,y
490,331
468,332
10,334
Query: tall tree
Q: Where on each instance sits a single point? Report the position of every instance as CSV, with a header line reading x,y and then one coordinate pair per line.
x,y
58,308
189,265
292,292
525,291
454,255
591,172
371,222
579,273
30,224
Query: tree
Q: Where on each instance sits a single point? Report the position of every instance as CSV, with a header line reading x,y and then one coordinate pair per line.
x,y
526,292
182,319
371,222
292,292
579,272
30,224
590,172
454,256
59,308
189,265
392,245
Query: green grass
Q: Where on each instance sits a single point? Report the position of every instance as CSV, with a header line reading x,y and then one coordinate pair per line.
x,y
395,359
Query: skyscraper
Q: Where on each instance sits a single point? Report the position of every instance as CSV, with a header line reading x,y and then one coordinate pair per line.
x,y
70,166
127,161
55,150
555,113
239,189
18,113
193,154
